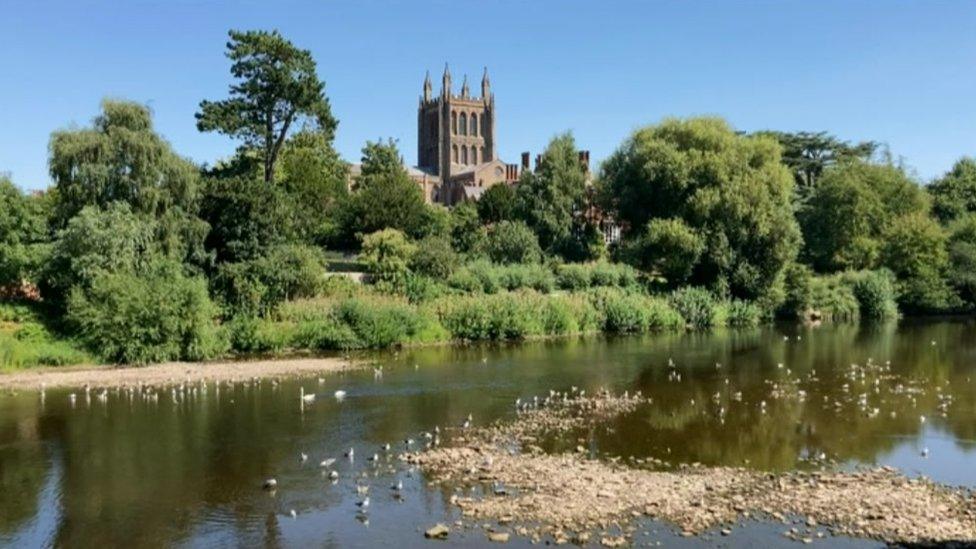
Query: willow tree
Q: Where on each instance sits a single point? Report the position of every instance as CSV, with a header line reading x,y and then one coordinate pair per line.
x,y
276,89
122,159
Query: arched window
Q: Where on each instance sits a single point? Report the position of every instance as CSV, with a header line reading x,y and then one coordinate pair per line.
x,y
464,124
474,124
454,123
474,153
454,155
464,152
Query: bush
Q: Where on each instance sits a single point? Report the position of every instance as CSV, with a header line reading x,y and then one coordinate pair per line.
x,y
574,277
18,352
623,312
378,323
326,335
742,313
834,299
434,258
512,242
249,334
875,294
518,276
387,255
158,316
697,306
258,286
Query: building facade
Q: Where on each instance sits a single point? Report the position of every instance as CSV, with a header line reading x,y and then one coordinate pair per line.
x,y
456,140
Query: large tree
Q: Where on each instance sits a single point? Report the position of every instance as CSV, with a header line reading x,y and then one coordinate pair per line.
x,y
23,232
276,89
730,192
954,194
314,178
548,196
808,154
122,159
845,220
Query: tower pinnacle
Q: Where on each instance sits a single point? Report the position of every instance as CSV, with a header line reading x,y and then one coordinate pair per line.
x,y
446,82
485,85
428,88
465,91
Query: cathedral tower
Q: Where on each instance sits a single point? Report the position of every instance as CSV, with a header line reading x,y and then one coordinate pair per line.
x,y
455,132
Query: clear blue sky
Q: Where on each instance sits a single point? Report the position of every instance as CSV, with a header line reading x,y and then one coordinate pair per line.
x,y
903,73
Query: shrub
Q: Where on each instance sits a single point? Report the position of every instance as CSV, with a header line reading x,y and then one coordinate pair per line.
x,y
625,313
604,273
258,286
697,306
326,334
519,276
387,255
512,242
158,316
834,299
378,323
248,334
574,277
465,280
875,294
742,313
434,258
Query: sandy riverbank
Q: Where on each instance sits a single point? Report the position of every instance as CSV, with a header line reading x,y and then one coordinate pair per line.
x,y
572,497
172,372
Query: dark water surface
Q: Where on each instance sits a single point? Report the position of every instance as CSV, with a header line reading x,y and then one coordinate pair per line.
x,y
129,471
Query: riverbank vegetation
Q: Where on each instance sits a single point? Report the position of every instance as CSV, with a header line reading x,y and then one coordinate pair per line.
x,y
137,255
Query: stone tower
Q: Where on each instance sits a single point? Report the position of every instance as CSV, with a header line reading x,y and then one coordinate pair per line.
x,y
455,132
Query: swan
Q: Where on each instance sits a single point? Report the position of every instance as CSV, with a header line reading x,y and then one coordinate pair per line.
x,y
340,394
306,398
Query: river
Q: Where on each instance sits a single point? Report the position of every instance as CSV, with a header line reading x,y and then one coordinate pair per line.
x,y
187,468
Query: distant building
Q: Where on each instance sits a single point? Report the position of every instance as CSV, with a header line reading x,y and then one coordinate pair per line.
x,y
456,141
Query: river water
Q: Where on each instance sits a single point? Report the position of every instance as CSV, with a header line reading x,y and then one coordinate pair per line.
x,y
187,469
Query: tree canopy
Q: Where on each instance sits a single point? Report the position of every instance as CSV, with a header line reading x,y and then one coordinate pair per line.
x,y
954,194
276,89
731,191
548,197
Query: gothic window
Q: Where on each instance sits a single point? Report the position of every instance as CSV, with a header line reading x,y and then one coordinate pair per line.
x,y
464,124
454,123
474,124
482,123
482,155
474,153
464,151
454,154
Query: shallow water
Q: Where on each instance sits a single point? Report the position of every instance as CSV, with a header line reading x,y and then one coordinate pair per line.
x,y
127,471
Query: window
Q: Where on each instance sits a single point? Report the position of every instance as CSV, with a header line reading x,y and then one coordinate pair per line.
x,y
464,153
454,123
474,124
454,155
482,155
482,123
474,153
464,124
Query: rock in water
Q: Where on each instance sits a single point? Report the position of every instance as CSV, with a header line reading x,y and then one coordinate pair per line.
x,y
438,531
498,537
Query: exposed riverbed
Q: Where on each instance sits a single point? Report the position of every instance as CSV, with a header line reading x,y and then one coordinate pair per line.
x,y
183,462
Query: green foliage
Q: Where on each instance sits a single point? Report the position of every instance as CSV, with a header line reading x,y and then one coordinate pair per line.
x,y
626,312
484,276
848,214
23,234
574,277
698,307
731,190
122,159
497,204
580,276
387,255
668,247
378,323
743,313
954,195
248,334
97,242
434,258
808,154
512,242
962,258
155,316
276,89
27,341
257,286
875,293
313,178
548,197
467,235
915,250
385,197
247,218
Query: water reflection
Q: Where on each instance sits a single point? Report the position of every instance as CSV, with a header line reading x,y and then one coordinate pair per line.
x,y
187,467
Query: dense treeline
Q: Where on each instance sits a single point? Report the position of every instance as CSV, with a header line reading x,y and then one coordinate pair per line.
x,y
138,255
